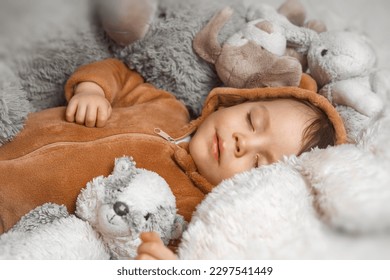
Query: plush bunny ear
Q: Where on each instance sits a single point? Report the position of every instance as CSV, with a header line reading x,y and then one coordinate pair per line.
x,y
89,199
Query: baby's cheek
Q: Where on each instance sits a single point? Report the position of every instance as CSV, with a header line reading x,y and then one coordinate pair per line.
x,y
235,166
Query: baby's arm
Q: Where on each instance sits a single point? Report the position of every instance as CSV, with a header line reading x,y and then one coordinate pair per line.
x,y
122,87
94,88
152,248
88,106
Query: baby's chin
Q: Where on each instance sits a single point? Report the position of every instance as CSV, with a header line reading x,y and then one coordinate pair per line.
x,y
211,175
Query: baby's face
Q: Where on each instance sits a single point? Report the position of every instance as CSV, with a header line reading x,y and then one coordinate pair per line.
x,y
238,138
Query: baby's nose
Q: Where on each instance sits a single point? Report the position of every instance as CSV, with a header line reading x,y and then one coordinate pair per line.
x,y
244,144
238,151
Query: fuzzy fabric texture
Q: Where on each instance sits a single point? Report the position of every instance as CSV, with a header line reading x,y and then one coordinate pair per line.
x,y
13,107
39,49
50,233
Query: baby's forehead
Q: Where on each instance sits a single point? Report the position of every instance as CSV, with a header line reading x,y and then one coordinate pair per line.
x,y
276,105
288,102
291,103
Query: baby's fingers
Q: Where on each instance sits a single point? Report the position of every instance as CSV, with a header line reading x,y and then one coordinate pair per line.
x,y
144,257
103,114
151,237
71,111
90,116
152,248
81,114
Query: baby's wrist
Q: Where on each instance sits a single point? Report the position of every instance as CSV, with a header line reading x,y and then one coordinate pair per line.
x,y
88,88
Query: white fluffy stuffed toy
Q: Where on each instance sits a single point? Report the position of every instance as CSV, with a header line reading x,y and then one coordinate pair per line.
x,y
343,64
111,212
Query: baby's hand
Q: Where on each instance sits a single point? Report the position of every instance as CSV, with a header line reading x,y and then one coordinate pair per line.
x,y
152,248
88,106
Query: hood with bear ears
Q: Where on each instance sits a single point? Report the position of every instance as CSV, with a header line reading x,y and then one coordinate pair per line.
x,y
307,90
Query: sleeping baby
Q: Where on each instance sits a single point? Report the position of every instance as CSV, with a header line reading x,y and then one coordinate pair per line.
x,y
112,112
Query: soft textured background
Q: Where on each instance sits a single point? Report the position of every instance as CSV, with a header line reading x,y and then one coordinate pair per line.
x,y
369,17
29,21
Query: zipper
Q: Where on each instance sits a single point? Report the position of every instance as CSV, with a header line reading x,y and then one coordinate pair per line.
x,y
164,135
167,137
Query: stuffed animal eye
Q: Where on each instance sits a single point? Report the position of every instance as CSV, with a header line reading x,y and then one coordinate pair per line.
x,y
324,52
147,216
121,208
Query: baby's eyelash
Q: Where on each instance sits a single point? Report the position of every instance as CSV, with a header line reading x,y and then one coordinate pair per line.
x,y
249,120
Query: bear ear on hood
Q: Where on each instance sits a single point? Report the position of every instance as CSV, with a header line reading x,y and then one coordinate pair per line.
x,y
307,82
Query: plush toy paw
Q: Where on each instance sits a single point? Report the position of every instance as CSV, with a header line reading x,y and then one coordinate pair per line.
x,y
355,94
126,21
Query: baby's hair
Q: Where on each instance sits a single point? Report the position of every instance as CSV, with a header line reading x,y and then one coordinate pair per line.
x,y
319,131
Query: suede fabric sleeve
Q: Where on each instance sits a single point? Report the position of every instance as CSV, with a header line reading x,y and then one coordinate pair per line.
x,y
122,86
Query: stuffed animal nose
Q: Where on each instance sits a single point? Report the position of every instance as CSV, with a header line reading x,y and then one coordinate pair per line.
x,y
121,208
